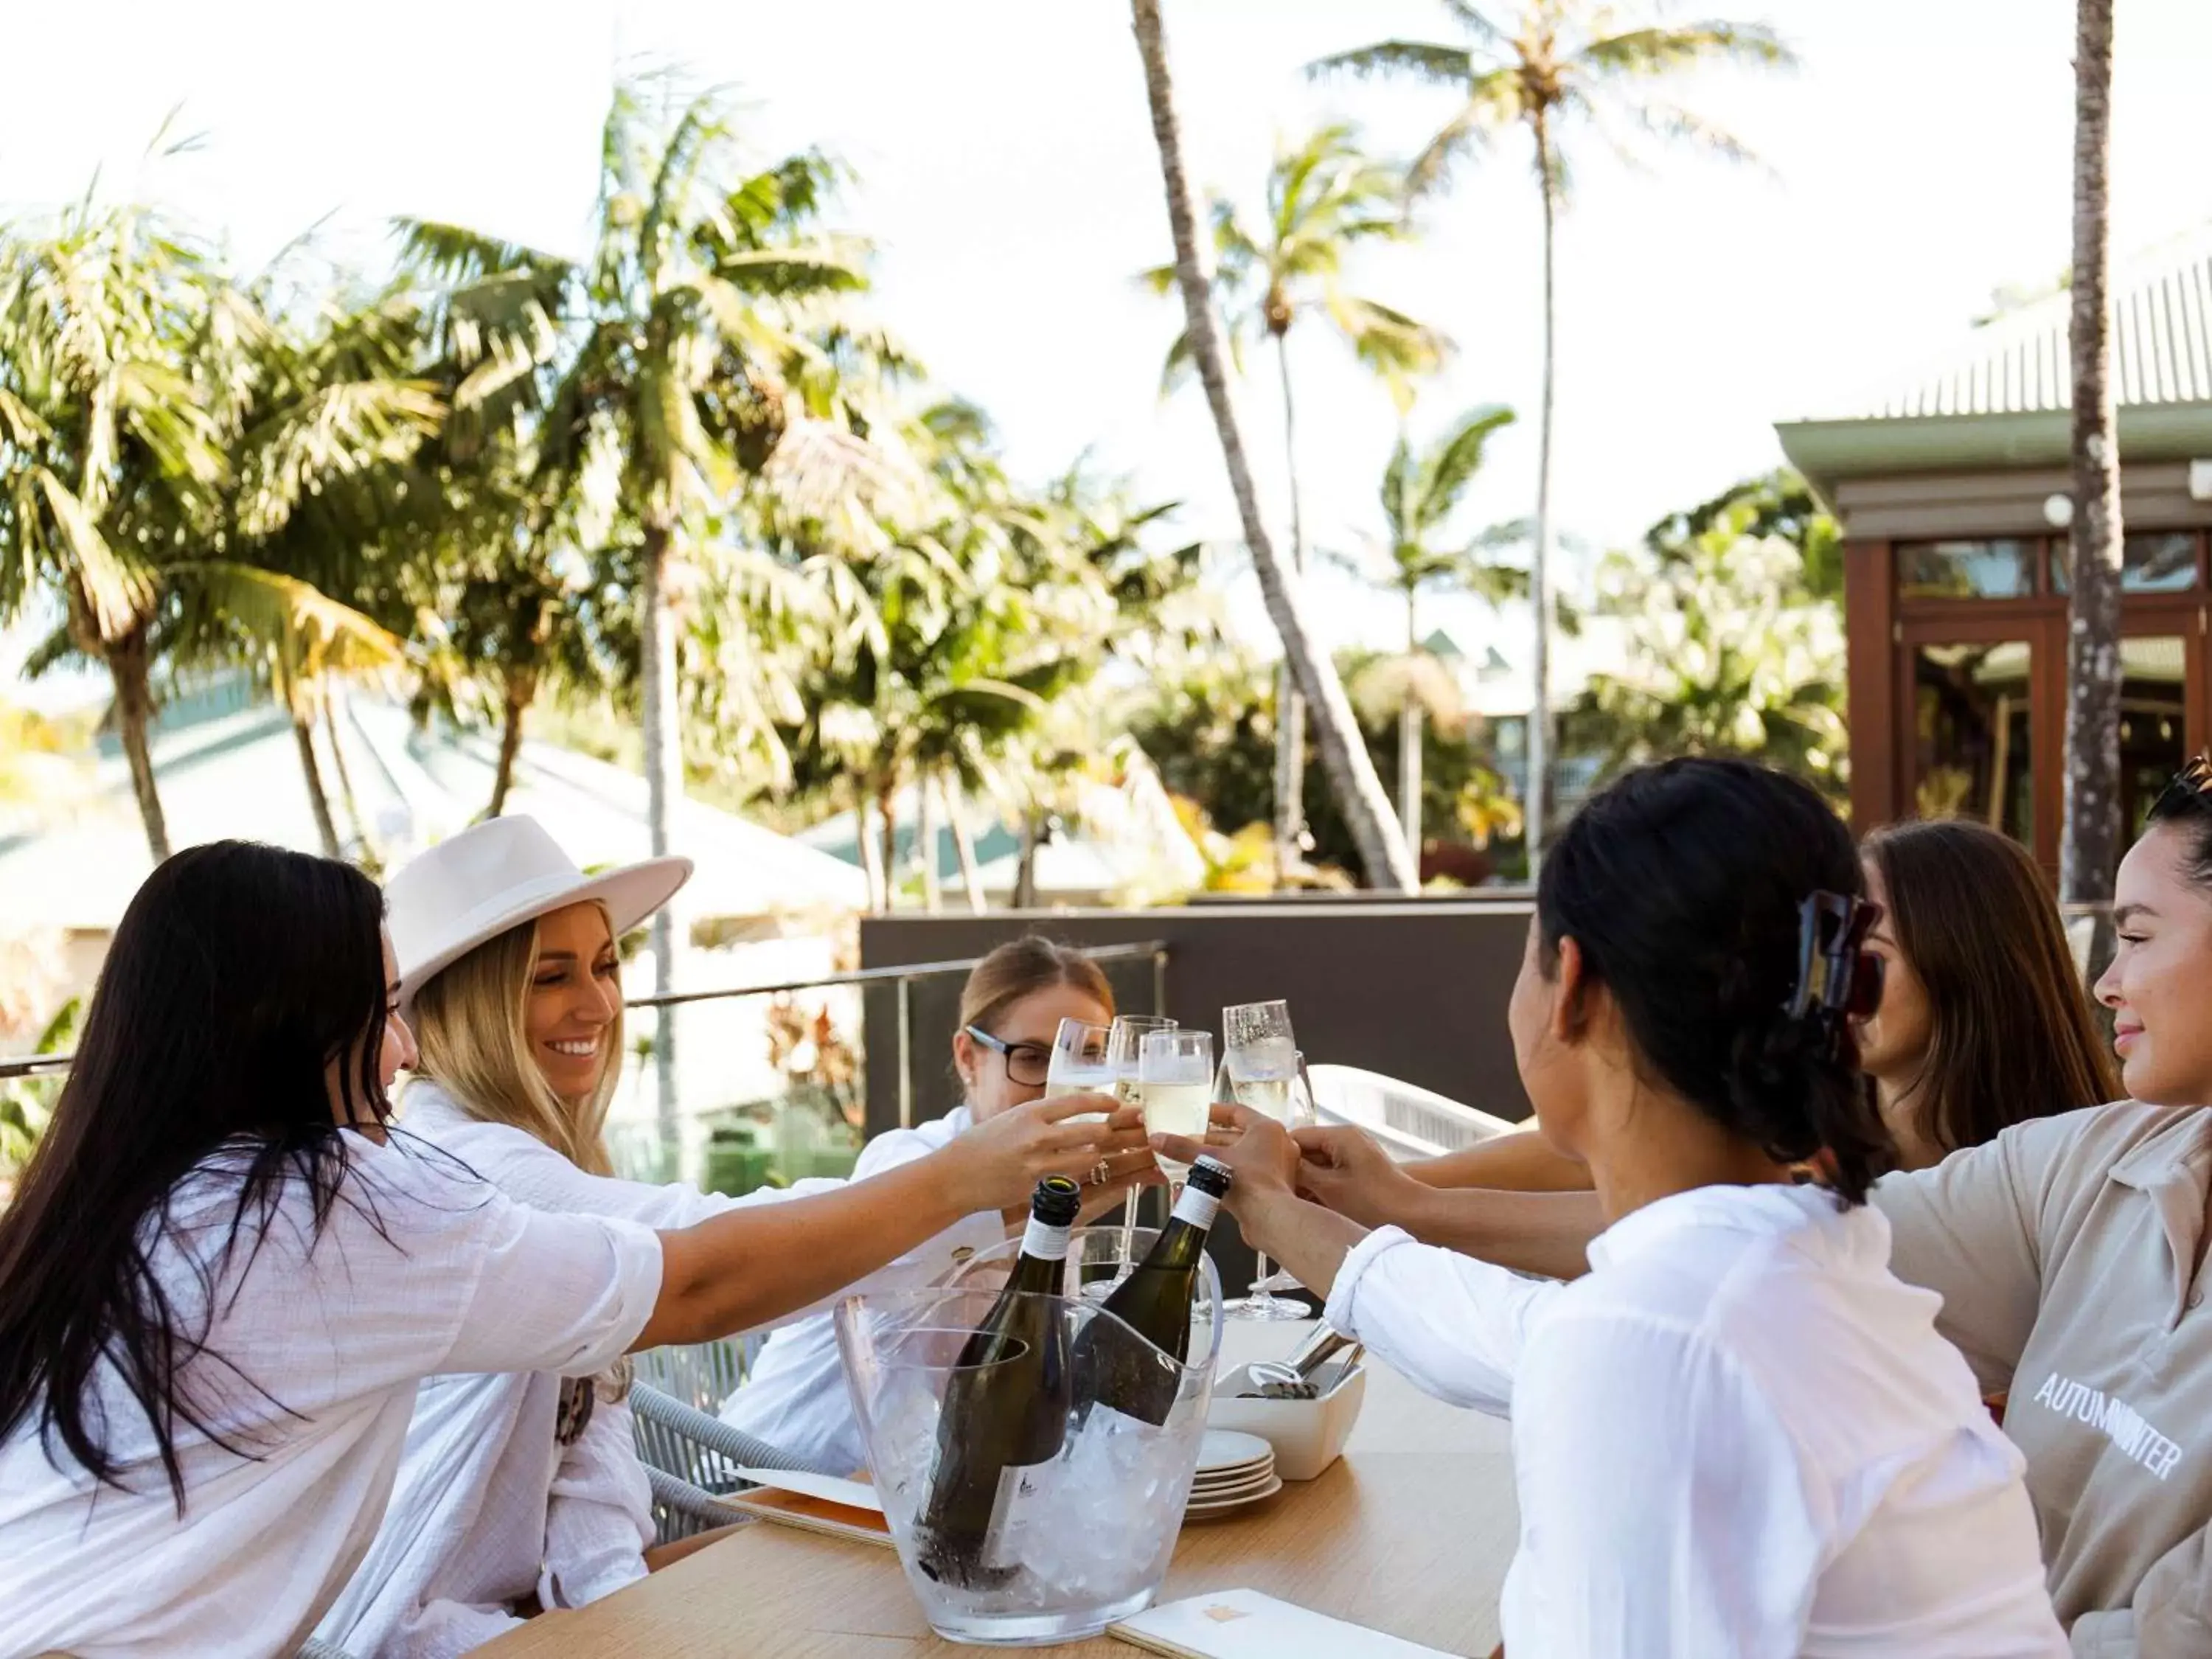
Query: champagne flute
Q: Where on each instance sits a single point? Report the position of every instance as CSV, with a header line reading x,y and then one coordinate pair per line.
x,y
1264,1072
1305,1113
1175,1074
1129,1033
1081,1064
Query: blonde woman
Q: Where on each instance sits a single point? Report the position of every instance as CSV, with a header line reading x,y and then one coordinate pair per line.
x,y
524,1491
1010,1011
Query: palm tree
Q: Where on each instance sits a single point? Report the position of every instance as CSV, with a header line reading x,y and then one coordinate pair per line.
x,y
666,365
302,639
1559,64
1325,197
1344,756
108,455
1422,493
157,419
2090,846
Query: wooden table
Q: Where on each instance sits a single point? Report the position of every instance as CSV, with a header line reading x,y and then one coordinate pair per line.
x,y
1409,1533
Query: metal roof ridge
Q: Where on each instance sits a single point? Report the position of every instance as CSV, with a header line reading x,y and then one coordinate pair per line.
x,y
2020,363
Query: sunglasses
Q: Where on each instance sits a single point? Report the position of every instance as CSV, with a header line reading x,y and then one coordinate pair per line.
x,y
1836,975
1029,1064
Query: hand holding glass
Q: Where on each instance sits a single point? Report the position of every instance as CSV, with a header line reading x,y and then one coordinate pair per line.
x,y
1175,1074
1081,1064
1263,1071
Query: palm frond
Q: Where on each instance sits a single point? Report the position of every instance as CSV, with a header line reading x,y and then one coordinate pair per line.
x,y
1451,467
117,588
1439,65
1659,51
1467,134
1672,124
454,254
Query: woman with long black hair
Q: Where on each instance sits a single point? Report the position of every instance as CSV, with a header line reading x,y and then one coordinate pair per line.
x,y
1739,1433
220,1284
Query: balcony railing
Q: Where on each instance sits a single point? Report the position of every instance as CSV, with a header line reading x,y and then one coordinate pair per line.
x,y
638,1145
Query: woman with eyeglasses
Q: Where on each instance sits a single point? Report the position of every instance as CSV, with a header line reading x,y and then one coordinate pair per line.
x,y
1738,1434
1010,1011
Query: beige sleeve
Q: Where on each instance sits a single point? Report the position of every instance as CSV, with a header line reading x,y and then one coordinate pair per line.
x,y
1968,1230
2169,1618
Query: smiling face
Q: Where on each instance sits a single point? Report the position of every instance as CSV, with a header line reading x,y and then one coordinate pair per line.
x,y
570,1016
2163,961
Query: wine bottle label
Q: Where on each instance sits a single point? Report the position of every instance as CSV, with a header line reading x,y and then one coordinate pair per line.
x,y
1020,1499
1045,1242
1197,1208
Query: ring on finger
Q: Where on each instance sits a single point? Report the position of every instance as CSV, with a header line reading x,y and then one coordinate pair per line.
x,y
1100,1173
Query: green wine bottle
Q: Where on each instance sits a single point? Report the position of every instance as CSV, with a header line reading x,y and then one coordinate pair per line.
x,y
1005,1407
1153,1301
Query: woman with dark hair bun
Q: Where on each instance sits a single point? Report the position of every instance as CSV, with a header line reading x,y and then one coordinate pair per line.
x,y
1739,1433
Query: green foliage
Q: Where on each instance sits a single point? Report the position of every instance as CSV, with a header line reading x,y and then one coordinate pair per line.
x,y
1729,653
26,1104
1212,734
1779,503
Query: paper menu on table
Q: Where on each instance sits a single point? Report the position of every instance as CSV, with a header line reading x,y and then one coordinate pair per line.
x,y
1243,1624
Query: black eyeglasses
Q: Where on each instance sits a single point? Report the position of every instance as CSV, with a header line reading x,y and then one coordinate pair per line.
x,y
1027,1063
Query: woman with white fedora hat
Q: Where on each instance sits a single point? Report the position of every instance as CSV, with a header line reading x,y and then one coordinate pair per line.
x,y
524,1490
222,1278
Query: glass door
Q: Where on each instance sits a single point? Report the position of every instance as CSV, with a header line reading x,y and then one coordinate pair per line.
x,y
1970,711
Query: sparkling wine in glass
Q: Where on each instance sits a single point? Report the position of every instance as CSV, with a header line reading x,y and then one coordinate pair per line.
x,y
1174,1075
1265,1074
1123,1043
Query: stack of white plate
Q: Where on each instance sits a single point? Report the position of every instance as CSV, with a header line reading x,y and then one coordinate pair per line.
x,y
1233,1470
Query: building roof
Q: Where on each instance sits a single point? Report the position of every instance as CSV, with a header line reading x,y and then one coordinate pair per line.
x,y
227,765
2002,396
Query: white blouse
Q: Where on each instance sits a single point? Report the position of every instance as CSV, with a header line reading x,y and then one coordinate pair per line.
x,y
794,1397
488,1506
416,1270
1740,1435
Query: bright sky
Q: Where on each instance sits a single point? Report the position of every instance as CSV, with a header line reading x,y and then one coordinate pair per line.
x,y
1919,161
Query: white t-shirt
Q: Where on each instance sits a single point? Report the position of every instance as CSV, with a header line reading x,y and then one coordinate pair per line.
x,y
794,1397
1740,1435
417,1270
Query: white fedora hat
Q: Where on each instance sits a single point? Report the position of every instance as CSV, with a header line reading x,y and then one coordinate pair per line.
x,y
497,875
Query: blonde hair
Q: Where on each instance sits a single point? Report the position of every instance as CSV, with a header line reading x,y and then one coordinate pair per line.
x,y
469,1026
1022,967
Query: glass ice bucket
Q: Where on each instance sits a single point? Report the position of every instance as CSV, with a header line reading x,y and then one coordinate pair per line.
x,y
1089,1538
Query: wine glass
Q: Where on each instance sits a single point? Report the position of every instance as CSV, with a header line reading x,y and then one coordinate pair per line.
x,y
1081,1064
1264,1073
1129,1031
1174,1076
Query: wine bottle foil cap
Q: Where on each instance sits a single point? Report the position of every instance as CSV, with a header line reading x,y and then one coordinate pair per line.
x,y
1056,1202
1211,1175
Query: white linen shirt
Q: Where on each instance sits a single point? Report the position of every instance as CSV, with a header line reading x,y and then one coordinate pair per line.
x,y
794,1397
416,1270
1740,1435
489,1507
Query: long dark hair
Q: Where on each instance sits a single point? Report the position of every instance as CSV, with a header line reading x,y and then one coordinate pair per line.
x,y
240,974
2012,1035
1680,885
